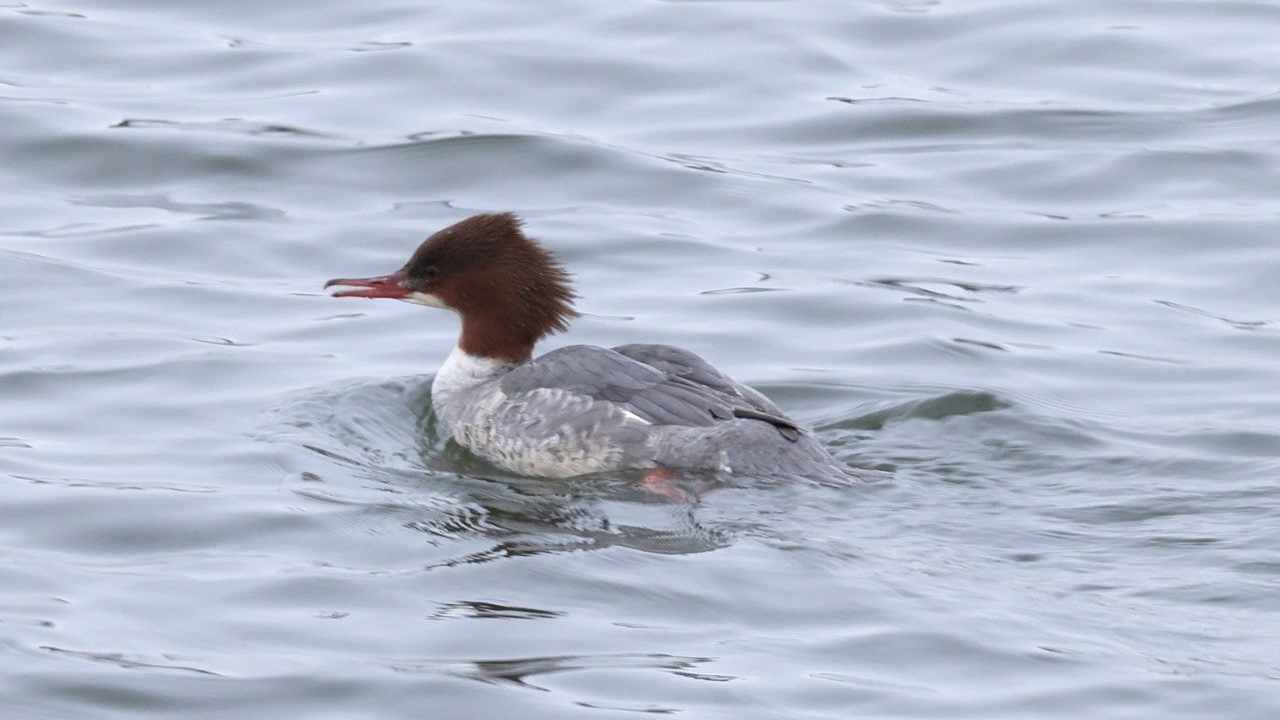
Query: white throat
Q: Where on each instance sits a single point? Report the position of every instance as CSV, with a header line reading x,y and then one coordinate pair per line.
x,y
423,298
462,371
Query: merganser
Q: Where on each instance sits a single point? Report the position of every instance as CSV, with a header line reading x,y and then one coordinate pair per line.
x,y
579,409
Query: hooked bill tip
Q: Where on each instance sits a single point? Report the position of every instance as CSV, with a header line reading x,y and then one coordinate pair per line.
x,y
386,286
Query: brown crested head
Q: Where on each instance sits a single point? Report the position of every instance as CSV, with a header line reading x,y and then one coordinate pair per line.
x,y
509,290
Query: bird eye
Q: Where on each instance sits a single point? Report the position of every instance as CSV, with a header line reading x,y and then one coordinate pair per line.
x,y
422,278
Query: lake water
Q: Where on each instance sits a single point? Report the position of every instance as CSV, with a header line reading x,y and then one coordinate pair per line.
x,y
1022,254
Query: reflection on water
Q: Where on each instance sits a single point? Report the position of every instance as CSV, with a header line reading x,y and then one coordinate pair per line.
x,y
376,444
521,672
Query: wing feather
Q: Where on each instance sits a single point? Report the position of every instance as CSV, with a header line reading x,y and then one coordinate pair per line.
x,y
660,384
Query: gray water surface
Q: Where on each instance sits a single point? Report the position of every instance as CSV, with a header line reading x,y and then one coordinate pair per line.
x,y
1023,255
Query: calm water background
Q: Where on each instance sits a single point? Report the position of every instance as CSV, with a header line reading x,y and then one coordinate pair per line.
x,y
1024,254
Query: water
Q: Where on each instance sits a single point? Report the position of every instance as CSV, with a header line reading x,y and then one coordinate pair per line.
x,y
1022,254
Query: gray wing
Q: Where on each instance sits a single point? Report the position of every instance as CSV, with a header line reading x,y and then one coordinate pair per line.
x,y
746,402
661,384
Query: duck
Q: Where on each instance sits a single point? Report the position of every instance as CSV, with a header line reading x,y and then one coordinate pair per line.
x,y
580,409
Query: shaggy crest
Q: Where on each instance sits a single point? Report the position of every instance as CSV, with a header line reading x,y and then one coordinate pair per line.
x,y
509,290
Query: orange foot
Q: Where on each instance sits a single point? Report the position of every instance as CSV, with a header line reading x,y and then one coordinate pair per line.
x,y
666,484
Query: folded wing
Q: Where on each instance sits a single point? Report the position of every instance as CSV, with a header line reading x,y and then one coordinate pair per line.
x,y
660,384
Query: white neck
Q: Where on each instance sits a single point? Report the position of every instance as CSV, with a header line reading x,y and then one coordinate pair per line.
x,y
462,371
